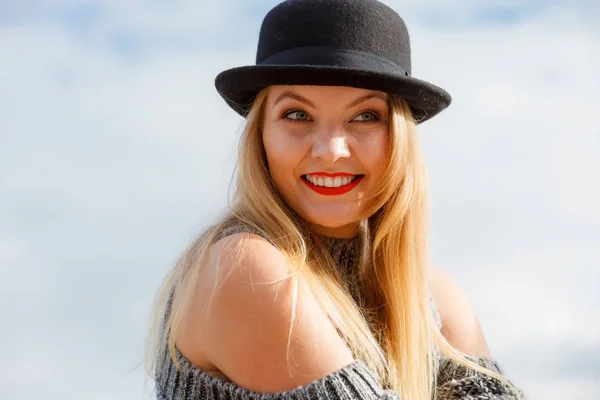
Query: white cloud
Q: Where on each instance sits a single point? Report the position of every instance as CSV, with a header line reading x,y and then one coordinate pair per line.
x,y
513,164
24,278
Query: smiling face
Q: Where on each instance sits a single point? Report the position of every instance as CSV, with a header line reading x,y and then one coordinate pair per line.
x,y
327,148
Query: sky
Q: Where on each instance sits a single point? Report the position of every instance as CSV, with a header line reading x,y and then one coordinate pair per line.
x,y
116,151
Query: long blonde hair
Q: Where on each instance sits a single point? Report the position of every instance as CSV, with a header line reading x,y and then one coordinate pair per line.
x,y
395,332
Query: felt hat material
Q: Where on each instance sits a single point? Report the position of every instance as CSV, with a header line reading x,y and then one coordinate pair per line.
x,y
356,43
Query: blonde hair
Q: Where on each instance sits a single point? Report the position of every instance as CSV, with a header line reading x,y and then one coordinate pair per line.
x,y
395,333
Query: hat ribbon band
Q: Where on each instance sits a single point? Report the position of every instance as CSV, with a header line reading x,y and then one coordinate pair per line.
x,y
333,57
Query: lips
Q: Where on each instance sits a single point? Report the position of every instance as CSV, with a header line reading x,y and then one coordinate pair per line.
x,y
337,184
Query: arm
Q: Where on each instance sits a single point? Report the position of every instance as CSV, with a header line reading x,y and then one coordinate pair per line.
x,y
462,330
456,382
245,335
460,325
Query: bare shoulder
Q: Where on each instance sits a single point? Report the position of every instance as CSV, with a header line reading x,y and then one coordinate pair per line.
x,y
245,333
460,325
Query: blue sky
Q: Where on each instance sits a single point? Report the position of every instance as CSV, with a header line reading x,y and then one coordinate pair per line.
x,y
115,151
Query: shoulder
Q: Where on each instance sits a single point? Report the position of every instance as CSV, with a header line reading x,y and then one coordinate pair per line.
x,y
460,325
257,323
245,257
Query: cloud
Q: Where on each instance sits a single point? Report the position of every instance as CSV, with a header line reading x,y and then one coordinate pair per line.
x,y
514,208
115,150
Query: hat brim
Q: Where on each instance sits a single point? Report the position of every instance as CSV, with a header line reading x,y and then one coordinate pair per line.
x,y
239,86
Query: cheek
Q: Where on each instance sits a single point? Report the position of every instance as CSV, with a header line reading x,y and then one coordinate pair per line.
x,y
373,151
284,154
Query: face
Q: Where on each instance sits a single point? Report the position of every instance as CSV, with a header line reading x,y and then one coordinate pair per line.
x,y
327,149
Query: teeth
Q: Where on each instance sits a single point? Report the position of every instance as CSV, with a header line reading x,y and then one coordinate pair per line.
x,y
328,181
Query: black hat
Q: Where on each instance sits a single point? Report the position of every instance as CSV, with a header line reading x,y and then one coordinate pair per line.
x,y
357,43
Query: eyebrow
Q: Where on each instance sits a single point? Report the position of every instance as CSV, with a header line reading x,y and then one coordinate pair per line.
x,y
374,95
302,99
295,96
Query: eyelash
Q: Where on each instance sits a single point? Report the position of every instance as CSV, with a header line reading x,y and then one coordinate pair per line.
x,y
288,112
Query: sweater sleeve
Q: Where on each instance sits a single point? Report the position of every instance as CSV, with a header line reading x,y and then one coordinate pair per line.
x,y
456,382
353,382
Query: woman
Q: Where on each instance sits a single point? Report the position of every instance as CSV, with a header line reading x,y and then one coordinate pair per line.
x,y
317,284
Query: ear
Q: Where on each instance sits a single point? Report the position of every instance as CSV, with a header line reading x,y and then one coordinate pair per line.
x,y
460,325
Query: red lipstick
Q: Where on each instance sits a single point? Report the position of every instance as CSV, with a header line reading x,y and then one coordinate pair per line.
x,y
333,191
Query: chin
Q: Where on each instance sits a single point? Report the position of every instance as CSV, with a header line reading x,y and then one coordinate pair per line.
x,y
328,216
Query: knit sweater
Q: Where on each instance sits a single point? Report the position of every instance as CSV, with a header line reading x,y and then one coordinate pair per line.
x,y
352,382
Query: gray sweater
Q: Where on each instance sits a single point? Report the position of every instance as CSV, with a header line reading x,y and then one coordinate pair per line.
x,y
353,382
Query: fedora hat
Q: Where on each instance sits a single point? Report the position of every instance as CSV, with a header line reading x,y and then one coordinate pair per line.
x,y
356,43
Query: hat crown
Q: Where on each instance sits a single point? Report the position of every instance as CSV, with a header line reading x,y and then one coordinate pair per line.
x,y
356,43
366,26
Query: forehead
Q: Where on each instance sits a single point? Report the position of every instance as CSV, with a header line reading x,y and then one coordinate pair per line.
x,y
320,94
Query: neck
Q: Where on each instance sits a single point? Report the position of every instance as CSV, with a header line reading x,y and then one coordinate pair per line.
x,y
347,231
347,255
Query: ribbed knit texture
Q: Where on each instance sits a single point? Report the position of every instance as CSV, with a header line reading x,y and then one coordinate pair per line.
x,y
346,254
455,382
353,382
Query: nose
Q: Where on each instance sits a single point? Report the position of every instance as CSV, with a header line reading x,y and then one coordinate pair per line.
x,y
330,147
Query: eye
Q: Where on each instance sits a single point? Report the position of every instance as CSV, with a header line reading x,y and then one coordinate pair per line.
x,y
367,116
296,115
